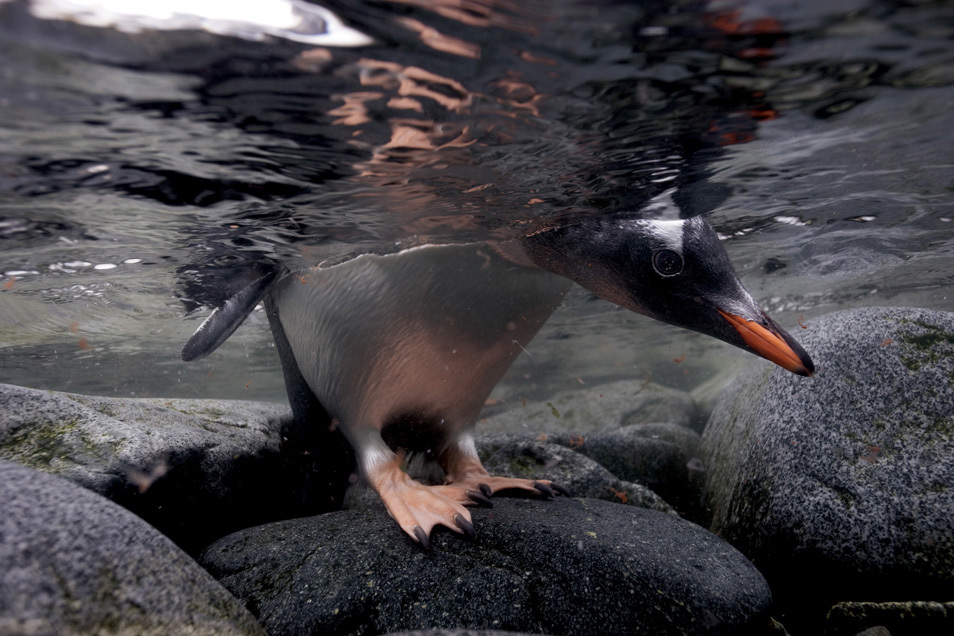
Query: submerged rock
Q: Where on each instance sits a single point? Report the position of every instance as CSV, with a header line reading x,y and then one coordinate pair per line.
x,y
598,408
845,479
195,469
72,562
564,566
662,458
579,474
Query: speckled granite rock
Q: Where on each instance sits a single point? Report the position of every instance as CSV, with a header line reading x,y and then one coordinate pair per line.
x,y
196,469
597,408
845,479
74,563
563,566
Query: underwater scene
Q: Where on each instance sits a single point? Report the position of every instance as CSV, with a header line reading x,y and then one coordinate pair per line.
x,y
687,264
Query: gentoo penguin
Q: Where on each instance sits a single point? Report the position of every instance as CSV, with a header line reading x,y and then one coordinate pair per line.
x,y
402,350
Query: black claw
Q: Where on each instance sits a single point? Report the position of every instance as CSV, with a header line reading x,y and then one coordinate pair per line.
x,y
484,488
479,498
466,526
545,490
560,489
422,537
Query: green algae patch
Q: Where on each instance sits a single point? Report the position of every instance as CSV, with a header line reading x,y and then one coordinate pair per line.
x,y
929,347
43,446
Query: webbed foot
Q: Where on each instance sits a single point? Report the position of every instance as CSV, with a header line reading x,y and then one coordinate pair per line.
x,y
418,508
489,485
468,473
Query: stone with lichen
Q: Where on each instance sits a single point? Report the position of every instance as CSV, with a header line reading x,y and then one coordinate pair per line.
x,y
846,478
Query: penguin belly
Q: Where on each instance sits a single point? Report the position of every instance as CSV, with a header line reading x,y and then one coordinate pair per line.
x,y
403,350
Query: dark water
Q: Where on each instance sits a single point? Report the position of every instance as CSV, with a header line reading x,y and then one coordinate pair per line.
x,y
143,175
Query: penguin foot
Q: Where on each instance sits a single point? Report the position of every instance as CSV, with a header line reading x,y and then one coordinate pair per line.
x,y
418,508
470,475
490,485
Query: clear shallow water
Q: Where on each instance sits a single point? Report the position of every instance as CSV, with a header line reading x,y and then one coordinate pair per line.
x,y
142,173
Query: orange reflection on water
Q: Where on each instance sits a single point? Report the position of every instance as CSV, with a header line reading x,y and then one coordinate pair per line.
x,y
426,135
353,112
422,134
313,60
440,42
518,94
516,16
405,103
411,81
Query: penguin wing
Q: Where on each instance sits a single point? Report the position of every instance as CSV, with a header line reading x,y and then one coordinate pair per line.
x,y
224,320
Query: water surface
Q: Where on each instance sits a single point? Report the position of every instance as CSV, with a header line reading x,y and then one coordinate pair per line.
x,y
145,170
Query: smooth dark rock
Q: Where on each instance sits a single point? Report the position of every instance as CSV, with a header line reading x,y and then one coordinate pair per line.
x,y
563,566
72,562
195,469
845,479
663,457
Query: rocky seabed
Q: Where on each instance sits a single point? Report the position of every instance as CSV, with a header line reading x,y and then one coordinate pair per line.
x,y
786,506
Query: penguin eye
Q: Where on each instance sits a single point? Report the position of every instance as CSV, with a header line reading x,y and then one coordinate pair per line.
x,y
667,262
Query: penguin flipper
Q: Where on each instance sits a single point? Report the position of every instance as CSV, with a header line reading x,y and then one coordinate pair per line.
x,y
224,320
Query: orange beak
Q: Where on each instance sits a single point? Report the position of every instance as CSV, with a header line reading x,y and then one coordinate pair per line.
x,y
770,345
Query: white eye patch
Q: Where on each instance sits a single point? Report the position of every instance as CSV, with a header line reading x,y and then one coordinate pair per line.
x,y
669,233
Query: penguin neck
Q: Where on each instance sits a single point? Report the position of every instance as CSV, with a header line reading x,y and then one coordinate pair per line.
x,y
586,253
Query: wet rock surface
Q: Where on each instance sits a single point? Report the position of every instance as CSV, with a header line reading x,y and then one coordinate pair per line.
x,y
563,566
623,463
195,469
845,479
72,562
579,474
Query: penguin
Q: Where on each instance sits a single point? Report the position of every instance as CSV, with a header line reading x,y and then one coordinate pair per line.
x,y
402,350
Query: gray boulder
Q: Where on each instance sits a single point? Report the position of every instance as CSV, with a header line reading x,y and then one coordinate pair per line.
x,y
845,479
563,566
663,458
598,408
195,469
583,477
72,562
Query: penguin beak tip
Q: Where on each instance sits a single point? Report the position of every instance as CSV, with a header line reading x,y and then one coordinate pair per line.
x,y
773,344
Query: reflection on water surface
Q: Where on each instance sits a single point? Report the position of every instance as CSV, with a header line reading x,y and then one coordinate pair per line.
x,y
146,172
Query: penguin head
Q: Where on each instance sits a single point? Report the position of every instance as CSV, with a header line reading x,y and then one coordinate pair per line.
x,y
675,271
